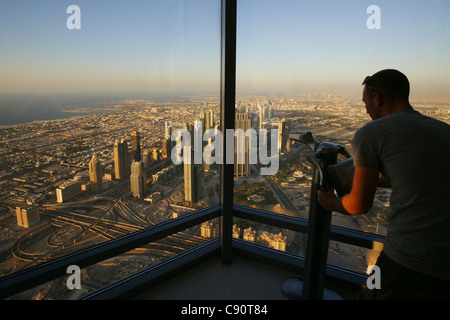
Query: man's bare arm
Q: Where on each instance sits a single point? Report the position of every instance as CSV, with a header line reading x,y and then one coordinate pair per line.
x,y
360,198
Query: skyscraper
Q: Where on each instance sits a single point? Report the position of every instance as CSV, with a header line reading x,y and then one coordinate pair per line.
x,y
203,120
209,119
193,180
260,116
136,144
167,129
168,136
121,160
241,148
283,136
137,179
164,151
202,115
189,127
95,173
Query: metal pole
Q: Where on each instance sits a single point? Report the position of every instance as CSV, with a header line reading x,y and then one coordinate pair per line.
x,y
317,245
312,287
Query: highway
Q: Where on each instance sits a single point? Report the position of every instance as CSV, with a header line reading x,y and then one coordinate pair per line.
x,y
106,216
284,199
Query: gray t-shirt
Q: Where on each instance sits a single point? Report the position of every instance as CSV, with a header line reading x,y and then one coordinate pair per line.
x,y
413,152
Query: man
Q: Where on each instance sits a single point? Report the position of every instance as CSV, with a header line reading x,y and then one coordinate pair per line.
x,y
405,150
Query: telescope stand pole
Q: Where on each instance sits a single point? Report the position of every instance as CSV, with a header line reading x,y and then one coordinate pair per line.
x,y
312,287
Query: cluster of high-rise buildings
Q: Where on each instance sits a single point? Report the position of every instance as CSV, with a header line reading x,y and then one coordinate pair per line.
x,y
194,172
126,166
132,164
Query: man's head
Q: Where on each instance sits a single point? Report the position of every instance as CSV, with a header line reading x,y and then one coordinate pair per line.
x,y
385,92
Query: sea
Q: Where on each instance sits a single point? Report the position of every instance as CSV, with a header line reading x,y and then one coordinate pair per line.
x,y
19,109
25,108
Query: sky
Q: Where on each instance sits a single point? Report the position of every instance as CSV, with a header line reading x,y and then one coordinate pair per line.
x,y
121,46
326,46
173,46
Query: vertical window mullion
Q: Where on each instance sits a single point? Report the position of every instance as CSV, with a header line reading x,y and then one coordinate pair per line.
x,y
227,100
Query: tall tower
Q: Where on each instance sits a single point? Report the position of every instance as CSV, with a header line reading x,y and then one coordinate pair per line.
x,y
209,119
241,148
167,129
121,160
203,120
260,116
137,179
193,180
190,127
164,151
283,136
168,136
95,173
136,144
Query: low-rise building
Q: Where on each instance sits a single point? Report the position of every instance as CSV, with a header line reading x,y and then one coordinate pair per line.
x,y
68,190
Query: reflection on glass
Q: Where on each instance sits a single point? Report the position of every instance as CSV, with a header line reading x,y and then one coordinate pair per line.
x,y
300,65
268,236
352,257
87,117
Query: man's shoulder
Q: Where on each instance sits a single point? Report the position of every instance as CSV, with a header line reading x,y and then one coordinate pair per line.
x,y
369,128
396,119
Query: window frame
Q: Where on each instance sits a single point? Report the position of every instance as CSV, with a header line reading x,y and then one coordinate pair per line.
x,y
226,210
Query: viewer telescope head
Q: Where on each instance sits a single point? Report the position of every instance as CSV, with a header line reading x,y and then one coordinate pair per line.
x,y
305,138
323,155
316,146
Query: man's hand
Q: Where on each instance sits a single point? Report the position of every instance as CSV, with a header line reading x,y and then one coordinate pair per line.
x,y
327,199
360,198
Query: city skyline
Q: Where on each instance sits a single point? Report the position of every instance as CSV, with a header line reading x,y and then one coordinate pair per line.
x,y
173,47
66,169
88,117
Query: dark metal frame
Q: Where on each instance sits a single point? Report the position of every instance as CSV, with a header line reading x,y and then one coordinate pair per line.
x,y
227,99
226,210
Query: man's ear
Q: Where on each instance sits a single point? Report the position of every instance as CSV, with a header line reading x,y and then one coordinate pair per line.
x,y
377,99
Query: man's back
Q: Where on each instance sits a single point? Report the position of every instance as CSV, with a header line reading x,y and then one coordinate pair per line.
x,y
412,151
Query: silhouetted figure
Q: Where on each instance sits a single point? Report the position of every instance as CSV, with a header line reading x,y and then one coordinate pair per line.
x,y
409,152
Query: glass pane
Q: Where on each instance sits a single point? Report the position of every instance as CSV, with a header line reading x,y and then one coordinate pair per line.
x,y
268,236
352,257
340,254
80,282
91,98
300,65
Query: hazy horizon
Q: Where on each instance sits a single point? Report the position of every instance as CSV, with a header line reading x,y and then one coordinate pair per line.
x,y
286,47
